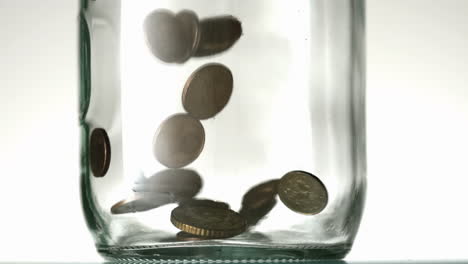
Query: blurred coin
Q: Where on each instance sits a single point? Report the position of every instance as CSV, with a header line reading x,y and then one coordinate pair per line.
x,y
179,182
204,203
207,91
303,192
179,141
141,203
208,221
190,25
100,152
166,37
218,34
259,201
184,236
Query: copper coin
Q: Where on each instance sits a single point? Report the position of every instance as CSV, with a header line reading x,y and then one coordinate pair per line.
x,y
181,183
204,203
184,236
100,152
218,34
190,25
303,192
179,141
259,201
207,91
208,221
166,37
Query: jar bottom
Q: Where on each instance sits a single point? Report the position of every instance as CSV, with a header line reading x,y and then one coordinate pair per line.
x,y
206,252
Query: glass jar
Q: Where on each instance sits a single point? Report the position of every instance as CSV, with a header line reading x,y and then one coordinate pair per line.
x,y
222,129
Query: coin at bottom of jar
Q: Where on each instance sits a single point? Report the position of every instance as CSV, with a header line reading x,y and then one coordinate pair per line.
x,y
184,236
207,91
205,203
99,152
179,141
303,192
208,221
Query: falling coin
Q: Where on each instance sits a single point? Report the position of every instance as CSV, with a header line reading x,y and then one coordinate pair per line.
x,y
207,91
208,221
303,192
259,201
141,203
218,34
166,37
190,25
100,152
183,184
179,141
184,236
205,203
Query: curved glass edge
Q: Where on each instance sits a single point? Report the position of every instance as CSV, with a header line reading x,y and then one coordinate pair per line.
x,y
85,69
93,218
221,253
358,114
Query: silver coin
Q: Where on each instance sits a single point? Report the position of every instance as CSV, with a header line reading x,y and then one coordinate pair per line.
x,y
182,184
166,37
218,34
190,25
179,141
141,203
207,91
303,192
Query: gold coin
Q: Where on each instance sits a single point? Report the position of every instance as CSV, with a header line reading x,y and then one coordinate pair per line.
x,y
184,236
218,34
303,192
179,141
259,201
207,91
208,221
141,203
100,152
166,37
204,203
181,183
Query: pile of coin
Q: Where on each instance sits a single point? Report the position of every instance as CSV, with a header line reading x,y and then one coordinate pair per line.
x,y
180,139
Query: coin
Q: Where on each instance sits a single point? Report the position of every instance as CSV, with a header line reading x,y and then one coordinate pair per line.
x,y
208,221
100,152
190,25
204,203
303,192
218,34
166,37
207,91
184,236
179,141
141,203
259,201
181,183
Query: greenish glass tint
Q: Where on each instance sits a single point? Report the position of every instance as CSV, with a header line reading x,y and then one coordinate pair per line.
x,y
85,74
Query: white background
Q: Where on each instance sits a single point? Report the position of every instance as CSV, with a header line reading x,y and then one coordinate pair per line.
x,y
417,132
